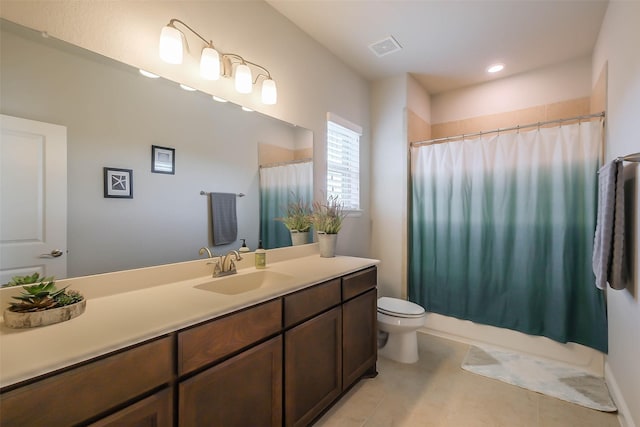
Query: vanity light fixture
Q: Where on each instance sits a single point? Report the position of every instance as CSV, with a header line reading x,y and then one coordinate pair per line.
x,y
495,68
214,64
148,74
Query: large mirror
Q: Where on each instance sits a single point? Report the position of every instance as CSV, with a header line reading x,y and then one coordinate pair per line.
x,y
113,117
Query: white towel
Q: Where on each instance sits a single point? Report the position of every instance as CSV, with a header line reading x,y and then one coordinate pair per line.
x,y
608,244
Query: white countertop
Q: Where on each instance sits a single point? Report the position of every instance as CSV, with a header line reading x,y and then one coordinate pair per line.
x,y
115,321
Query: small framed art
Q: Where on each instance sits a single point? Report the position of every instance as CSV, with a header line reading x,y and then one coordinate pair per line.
x,y
163,160
118,183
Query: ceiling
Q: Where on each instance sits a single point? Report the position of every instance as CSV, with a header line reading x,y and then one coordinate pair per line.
x,y
448,44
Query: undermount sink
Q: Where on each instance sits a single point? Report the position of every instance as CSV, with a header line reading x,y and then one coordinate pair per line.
x,y
241,283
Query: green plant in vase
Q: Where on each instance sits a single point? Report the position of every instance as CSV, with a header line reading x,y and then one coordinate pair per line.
x,y
328,215
298,216
327,221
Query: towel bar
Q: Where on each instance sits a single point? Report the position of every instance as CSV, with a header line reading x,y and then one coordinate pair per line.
x,y
206,193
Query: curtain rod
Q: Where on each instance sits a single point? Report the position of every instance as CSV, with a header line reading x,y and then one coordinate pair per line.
x,y
530,125
292,162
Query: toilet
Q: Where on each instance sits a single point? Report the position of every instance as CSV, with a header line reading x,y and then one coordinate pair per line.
x,y
400,320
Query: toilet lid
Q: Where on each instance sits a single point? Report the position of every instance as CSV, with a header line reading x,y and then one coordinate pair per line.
x,y
399,307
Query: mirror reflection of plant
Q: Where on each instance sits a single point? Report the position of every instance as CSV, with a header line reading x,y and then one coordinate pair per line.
x,y
41,296
328,215
298,216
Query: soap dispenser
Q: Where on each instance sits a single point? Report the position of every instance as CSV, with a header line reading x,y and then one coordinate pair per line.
x,y
260,256
244,247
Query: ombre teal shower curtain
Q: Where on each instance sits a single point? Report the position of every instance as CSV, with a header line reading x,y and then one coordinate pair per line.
x,y
279,186
502,231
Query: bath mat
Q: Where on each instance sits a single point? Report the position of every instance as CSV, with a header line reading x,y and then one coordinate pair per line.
x,y
546,377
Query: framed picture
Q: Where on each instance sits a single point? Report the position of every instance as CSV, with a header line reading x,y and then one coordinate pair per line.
x,y
163,160
118,183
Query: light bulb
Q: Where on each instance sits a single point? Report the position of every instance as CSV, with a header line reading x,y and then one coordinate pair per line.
x,y
495,68
218,99
269,92
171,45
210,64
148,74
244,81
187,88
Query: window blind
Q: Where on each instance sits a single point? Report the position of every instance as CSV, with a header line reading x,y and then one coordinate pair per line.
x,y
343,165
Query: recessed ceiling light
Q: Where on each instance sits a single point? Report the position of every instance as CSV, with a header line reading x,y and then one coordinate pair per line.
x,y
495,68
217,98
185,87
148,74
247,109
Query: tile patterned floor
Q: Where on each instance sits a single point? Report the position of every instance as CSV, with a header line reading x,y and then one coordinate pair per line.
x,y
436,392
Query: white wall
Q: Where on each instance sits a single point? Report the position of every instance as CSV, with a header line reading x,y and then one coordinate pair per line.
x,y
418,100
311,81
561,82
389,183
617,48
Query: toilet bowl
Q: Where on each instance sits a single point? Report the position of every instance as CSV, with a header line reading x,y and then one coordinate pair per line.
x,y
400,319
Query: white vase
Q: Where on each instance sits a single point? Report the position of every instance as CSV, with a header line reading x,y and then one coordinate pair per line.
x,y
327,244
42,318
299,237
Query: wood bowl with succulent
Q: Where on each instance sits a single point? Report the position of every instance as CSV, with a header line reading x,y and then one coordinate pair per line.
x,y
41,303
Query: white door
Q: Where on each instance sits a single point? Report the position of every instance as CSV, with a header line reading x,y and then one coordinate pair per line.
x,y
33,198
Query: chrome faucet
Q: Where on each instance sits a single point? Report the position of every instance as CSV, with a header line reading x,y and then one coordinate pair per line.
x,y
224,265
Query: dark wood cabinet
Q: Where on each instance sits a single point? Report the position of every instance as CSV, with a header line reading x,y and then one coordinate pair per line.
x,y
279,362
245,390
87,391
154,411
313,367
359,337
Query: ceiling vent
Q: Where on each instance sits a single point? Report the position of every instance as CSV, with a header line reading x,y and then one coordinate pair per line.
x,y
385,46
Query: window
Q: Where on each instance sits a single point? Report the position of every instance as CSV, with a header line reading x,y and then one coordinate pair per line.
x,y
343,161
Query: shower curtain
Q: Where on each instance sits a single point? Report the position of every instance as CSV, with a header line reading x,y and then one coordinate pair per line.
x,y
280,185
502,231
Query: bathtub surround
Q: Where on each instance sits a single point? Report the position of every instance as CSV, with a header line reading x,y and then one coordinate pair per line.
x,y
502,231
543,376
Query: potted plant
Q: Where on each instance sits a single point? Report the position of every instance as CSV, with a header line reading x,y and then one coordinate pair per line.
x,y
327,221
40,303
298,221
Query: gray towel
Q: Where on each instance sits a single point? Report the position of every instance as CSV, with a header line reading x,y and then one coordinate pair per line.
x,y
224,222
608,244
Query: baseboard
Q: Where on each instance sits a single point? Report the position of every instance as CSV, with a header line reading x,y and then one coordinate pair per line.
x,y
624,416
571,354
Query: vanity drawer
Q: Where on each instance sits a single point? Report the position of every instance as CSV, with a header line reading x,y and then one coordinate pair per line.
x,y
91,389
214,340
308,302
357,283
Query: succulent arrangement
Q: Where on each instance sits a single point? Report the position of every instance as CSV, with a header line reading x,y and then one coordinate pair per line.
x,y
298,216
327,217
40,294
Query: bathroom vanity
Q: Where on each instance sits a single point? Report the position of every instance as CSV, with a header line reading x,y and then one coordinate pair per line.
x,y
199,354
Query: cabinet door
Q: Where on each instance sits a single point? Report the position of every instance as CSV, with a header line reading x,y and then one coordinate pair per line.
x,y
154,411
313,367
359,337
92,389
245,390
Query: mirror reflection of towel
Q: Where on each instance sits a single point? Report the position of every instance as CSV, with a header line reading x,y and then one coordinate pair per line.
x,y
224,222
